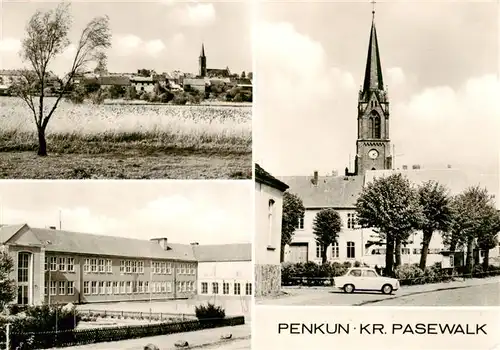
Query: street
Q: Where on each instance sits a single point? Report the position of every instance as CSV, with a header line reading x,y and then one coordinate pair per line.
x,y
474,292
239,344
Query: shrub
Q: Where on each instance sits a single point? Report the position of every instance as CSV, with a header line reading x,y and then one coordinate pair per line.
x,y
210,311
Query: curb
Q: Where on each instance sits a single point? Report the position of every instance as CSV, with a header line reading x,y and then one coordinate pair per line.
x,y
415,293
218,342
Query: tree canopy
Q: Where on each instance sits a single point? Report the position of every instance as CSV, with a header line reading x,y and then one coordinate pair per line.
x,y
326,227
293,211
7,284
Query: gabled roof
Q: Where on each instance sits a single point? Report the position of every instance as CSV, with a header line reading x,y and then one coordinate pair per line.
x,y
329,192
456,180
7,231
114,80
373,71
223,252
83,243
263,177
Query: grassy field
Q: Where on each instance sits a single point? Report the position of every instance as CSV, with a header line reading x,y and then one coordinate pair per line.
x,y
127,141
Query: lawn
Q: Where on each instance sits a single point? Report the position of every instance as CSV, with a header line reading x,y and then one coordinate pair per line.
x,y
127,141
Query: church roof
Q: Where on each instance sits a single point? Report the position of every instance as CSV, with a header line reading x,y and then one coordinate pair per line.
x,y
373,72
329,191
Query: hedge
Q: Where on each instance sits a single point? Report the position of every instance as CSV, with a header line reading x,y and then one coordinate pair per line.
x,y
313,274
45,340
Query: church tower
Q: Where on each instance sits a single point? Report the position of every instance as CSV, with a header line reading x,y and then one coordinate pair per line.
x,y
203,62
373,146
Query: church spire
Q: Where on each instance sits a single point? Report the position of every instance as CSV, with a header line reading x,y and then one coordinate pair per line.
x,y
202,54
373,72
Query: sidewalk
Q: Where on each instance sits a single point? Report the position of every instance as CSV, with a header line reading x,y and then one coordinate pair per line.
x,y
167,342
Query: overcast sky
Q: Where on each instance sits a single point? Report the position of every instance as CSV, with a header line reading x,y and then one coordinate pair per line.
x,y
439,60
164,35
208,212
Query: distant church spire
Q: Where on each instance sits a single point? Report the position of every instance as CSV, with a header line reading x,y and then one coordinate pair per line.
x,y
202,62
373,72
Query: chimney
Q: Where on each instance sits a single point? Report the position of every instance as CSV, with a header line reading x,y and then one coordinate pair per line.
x,y
195,243
161,241
405,167
449,166
315,179
52,227
416,166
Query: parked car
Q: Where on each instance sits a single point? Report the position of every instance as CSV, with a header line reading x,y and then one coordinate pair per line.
x,y
365,279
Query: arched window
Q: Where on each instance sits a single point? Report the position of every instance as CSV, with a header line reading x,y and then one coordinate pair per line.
x,y
374,125
270,220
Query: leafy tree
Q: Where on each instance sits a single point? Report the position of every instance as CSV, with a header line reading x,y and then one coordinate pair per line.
x,y
243,75
473,213
437,214
488,236
46,38
116,91
293,211
391,206
144,72
7,285
326,227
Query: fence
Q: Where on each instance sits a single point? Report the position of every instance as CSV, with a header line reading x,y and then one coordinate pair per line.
x,y
52,339
157,316
445,277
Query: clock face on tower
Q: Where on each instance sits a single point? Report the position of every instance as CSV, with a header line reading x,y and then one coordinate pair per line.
x,y
373,154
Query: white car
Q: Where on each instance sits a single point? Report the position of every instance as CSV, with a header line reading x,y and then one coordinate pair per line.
x,y
366,279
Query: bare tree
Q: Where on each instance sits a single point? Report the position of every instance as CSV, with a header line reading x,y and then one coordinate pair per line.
x,y
46,38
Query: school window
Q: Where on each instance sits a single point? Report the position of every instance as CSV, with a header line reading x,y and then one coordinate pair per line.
x,y
178,286
146,287
237,289
300,225
248,289
134,286
178,269
204,288
94,287
109,287
122,287
405,251
351,253
163,287
141,287
225,288
193,270
62,264
141,266
350,220
53,263
116,288
169,268
46,264
184,286
134,266
102,288
188,286
46,289
319,250
163,268
128,266
129,287
70,288
86,266
62,287
183,267
109,266
169,287
102,267
86,289
215,288
93,265
70,264
122,266
335,250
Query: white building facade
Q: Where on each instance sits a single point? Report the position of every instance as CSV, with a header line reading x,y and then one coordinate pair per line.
x,y
267,239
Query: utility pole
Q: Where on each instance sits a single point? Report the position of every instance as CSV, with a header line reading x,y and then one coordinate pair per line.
x,y
60,220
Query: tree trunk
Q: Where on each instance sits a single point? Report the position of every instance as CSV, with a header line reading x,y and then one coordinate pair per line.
x,y
486,262
282,253
425,249
398,252
42,142
389,257
323,255
470,256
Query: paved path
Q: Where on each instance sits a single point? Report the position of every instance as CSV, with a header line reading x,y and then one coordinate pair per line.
x,y
200,339
331,296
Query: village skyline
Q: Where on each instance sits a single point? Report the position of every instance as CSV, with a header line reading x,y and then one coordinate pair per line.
x,y
171,42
